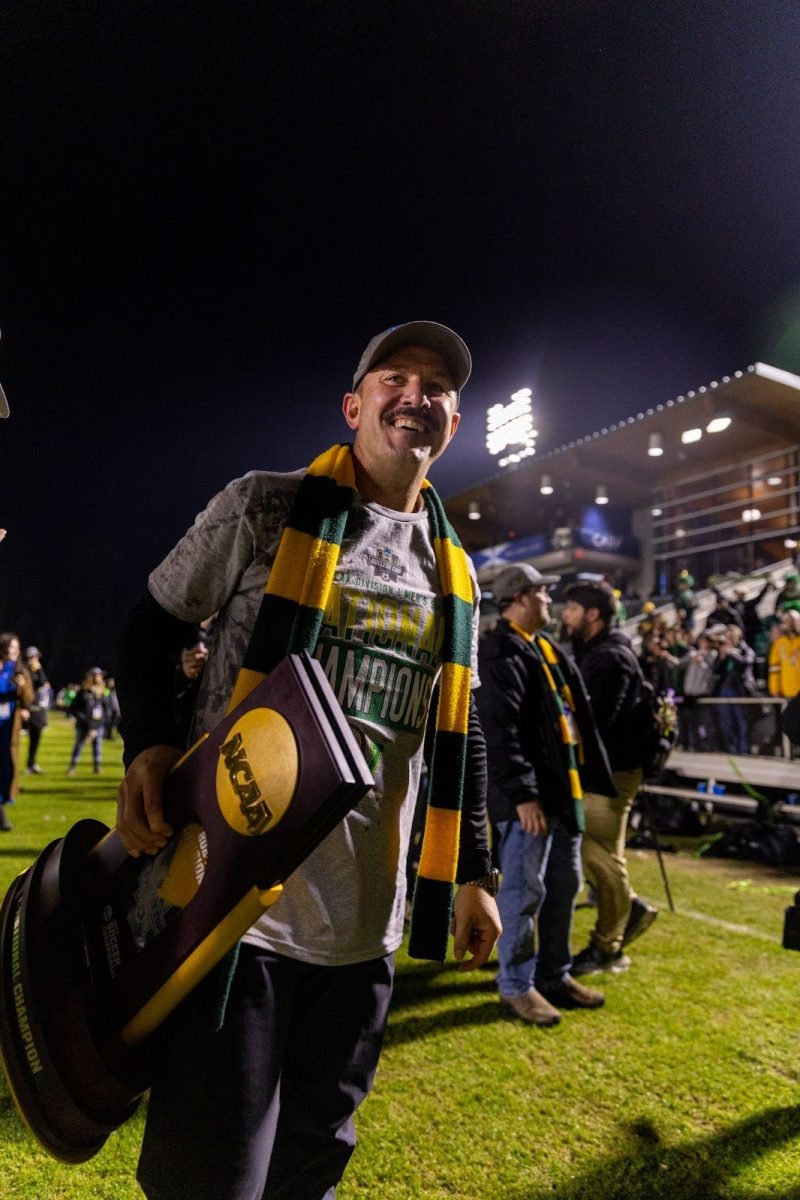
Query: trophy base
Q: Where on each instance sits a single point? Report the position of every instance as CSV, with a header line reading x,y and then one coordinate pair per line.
x,y
85,985
64,1088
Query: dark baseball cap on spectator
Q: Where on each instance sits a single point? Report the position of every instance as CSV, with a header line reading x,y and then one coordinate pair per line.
x,y
519,578
436,337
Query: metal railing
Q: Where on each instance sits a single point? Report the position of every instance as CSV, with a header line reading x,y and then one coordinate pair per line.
x,y
738,725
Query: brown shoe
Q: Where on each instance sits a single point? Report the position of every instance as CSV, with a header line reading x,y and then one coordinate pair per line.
x,y
532,1007
568,993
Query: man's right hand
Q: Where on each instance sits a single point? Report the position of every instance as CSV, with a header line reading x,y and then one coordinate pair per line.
x,y
140,816
531,817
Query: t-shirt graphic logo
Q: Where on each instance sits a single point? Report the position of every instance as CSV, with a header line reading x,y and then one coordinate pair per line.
x,y
386,565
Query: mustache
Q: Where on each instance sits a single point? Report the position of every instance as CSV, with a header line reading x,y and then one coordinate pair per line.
x,y
426,418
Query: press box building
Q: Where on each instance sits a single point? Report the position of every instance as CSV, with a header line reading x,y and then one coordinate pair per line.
x,y
708,481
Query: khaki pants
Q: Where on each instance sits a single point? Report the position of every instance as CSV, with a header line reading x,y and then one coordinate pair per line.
x,y
603,852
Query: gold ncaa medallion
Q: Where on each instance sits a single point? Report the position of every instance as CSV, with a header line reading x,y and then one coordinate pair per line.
x,y
257,771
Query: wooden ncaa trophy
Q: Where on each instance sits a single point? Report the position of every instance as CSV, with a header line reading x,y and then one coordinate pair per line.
x,y
98,947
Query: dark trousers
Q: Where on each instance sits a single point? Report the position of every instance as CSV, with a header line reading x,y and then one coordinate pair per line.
x,y
733,727
81,735
263,1109
6,762
696,724
34,737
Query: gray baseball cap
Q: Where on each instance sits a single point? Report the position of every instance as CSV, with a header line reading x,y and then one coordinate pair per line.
x,y
519,578
418,333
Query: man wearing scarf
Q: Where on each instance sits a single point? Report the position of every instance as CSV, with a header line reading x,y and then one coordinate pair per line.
x,y
353,560
543,747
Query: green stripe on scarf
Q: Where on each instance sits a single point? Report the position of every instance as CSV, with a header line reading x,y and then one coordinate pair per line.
x,y
290,619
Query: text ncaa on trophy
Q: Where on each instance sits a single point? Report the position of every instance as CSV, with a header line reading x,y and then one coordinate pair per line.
x,y
98,948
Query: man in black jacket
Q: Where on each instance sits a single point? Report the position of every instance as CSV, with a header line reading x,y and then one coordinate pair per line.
x,y
541,746
613,680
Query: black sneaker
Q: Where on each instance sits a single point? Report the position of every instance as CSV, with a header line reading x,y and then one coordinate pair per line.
x,y
641,918
591,960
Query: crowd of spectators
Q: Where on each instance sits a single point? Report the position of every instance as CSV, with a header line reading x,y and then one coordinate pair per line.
x,y
26,700
736,653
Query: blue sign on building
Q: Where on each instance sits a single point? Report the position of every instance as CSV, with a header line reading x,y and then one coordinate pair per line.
x,y
508,552
594,533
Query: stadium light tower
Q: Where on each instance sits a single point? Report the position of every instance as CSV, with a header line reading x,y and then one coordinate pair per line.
x,y
509,429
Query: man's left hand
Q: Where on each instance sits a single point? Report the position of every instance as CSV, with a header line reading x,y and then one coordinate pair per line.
x,y
476,926
193,661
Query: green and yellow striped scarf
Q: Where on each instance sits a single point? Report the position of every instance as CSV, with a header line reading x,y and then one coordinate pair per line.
x,y
290,618
546,656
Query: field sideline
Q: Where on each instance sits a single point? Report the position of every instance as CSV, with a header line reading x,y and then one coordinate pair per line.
x,y
684,1087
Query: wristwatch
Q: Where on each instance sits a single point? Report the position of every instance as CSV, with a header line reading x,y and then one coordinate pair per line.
x,y
490,882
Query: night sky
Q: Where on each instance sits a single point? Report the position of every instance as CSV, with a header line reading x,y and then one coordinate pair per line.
x,y
208,209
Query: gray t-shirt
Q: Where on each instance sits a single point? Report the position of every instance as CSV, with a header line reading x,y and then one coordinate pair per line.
x,y
380,647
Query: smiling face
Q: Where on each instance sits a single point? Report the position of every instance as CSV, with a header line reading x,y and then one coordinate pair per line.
x,y
404,414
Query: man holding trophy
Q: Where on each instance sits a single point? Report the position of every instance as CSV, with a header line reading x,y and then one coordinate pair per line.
x,y
354,560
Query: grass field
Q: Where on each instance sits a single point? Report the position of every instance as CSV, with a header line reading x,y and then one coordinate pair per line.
x,y
684,1087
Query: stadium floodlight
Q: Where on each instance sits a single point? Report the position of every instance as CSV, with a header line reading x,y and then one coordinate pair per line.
x,y
509,427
